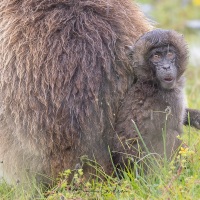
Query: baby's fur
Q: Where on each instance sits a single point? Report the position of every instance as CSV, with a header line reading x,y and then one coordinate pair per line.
x,y
149,105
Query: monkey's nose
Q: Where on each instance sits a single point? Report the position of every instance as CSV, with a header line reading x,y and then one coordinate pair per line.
x,y
166,67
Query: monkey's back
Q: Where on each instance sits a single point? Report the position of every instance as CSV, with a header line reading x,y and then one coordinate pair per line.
x,y
63,72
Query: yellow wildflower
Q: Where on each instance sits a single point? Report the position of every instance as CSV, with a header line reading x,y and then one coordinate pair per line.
x,y
183,151
196,2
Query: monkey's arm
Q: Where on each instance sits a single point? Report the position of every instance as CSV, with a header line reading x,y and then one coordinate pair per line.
x,y
192,117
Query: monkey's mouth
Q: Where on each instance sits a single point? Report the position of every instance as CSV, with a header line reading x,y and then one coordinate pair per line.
x,y
168,79
168,82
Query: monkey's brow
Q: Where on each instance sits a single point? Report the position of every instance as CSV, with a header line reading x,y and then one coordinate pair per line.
x,y
157,50
163,49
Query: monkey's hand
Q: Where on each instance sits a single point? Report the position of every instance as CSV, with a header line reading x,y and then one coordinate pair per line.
x,y
192,117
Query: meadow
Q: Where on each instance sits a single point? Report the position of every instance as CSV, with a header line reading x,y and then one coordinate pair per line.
x,y
177,178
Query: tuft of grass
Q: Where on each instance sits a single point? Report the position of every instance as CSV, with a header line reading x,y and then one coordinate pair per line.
x,y
18,192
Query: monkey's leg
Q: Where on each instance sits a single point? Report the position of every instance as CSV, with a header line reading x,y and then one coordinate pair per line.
x,y
192,117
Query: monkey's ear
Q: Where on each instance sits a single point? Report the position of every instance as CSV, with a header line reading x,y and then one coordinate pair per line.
x,y
129,50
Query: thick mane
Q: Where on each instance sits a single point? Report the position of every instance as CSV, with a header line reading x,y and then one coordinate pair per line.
x,y
64,70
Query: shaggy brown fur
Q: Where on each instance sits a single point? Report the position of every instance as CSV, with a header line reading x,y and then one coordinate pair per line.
x,y
64,72
150,105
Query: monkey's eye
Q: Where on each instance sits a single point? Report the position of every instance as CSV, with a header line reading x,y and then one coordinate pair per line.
x,y
170,55
156,58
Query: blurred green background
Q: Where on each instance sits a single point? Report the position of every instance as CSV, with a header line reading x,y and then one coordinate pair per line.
x,y
180,15
176,14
